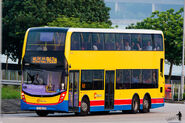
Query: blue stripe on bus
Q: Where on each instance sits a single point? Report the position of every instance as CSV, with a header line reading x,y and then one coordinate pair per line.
x,y
141,106
157,105
58,107
97,108
122,107
116,107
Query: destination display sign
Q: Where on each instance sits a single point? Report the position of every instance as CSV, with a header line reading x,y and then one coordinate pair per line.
x,y
44,60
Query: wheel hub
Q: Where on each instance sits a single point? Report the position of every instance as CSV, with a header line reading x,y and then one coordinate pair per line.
x,y
84,106
146,104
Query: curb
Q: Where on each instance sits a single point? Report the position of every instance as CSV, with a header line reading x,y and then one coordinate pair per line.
x,y
177,102
17,112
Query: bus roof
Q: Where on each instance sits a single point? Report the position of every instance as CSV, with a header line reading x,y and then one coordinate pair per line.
x,y
147,31
47,28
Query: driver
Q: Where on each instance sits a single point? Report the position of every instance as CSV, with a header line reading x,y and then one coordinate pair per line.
x,y
38,80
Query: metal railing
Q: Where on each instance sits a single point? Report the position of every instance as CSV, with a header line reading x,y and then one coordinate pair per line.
x,y
11,82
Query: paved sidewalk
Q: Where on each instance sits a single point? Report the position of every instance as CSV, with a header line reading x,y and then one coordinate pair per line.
x,y
179,102
11,106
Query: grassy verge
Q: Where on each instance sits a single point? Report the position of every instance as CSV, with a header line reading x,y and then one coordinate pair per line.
x,y
10,92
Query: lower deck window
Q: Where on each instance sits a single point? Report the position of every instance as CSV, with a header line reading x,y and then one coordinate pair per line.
x,y
136,78
92,80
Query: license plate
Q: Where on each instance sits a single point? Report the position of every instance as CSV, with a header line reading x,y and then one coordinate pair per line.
x,y
41,108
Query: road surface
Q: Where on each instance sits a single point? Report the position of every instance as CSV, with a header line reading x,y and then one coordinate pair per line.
x,y
165,114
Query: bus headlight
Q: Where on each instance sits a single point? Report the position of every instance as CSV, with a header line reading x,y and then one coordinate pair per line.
x,y
23,97
62,96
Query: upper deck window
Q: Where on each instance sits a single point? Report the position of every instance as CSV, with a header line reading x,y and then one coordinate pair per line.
x,y
136,42
147,42
76,41
116,41
86,41
45,41
157,42
109,41
127,41
119,42
98,41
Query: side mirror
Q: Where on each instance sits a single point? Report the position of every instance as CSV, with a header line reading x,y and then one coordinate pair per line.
x,y
20,72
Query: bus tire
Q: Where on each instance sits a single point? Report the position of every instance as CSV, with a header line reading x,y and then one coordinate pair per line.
x,y
146,105
85,107
135,105
42,113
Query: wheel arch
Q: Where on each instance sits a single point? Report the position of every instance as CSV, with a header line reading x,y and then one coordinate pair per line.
x,y
85,97
136,95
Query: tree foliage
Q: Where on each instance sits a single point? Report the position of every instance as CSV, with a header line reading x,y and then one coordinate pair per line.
x,y
87,10
64,21
171,23
19,15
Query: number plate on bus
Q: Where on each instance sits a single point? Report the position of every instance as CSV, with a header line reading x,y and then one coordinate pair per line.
x,y
41,108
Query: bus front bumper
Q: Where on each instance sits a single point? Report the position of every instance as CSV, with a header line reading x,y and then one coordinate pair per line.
x,y
60,107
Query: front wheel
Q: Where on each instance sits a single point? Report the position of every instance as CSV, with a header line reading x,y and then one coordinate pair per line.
x,y
42,113
84,107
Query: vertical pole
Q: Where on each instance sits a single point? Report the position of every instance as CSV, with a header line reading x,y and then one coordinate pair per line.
x,y
172,92
116,7
153,7
0,52
179,90
182,77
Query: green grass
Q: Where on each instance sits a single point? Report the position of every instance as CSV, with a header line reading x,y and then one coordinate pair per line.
x,y
10,92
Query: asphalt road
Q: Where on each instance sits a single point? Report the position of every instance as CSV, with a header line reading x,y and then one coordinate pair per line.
x,y
165,114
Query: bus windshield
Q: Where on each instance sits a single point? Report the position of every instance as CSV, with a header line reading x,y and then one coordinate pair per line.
x,y
45,41
43,82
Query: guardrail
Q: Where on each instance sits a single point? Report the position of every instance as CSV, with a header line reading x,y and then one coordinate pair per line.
x,y
11,82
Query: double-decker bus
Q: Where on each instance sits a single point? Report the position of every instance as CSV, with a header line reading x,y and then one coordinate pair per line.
x,y
92,70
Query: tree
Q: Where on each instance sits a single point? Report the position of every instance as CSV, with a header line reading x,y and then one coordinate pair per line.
x,y
171,23
86,10
64,21
19,15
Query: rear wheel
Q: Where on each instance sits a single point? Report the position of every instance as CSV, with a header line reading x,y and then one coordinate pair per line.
x,y
42,113
135,104
84,107
146,105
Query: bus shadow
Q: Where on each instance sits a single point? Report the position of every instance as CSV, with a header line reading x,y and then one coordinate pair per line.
x,y
92,114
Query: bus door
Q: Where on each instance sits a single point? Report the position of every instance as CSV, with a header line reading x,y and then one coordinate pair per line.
x,y
73,91
109,90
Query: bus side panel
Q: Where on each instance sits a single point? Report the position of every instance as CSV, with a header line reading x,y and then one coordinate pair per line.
x,y
113,60
96,98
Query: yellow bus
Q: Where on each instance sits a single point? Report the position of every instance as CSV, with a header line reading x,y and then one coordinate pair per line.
x,y
92,70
